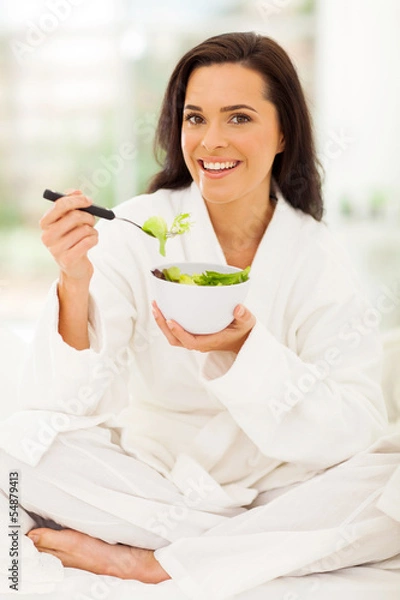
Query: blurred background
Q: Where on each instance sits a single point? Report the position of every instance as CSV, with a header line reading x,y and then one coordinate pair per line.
x,y
81,83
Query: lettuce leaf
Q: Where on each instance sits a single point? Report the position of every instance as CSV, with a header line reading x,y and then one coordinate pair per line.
x,y
157,227
215,278
212,278
180,224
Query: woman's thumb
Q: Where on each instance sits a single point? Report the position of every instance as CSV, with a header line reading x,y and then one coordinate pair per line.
x,y
239,311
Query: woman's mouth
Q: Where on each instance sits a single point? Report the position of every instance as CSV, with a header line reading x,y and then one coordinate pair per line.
x,y
218,168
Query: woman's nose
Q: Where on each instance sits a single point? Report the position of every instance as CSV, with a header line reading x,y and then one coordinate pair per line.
x,y
213,138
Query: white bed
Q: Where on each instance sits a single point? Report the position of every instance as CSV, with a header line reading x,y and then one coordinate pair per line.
x,y
372,582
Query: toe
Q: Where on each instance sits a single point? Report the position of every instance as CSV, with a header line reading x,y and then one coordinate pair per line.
x,y
35,535
44,537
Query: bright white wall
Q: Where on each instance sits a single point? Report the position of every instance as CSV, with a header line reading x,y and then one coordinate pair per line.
x,y
358,98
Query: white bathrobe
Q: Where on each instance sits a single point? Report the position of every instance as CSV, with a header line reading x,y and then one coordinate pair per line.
x,y
220,462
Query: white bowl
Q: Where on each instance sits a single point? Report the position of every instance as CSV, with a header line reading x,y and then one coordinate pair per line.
x,y
199,308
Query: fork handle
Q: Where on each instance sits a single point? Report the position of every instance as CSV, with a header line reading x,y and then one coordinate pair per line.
x,y
93,209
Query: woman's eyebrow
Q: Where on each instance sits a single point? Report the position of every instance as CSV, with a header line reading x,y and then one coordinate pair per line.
x,y
237,107
223,109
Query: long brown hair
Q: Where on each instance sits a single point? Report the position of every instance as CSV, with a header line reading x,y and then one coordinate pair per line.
x,y
296,169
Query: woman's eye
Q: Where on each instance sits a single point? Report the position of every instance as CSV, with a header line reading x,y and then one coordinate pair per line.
x,y
194,119
239,119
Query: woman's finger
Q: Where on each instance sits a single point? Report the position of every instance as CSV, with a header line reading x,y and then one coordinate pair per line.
x,y
178,336
229,339
186,339
71,239
72,192
71,221
162,324
62,206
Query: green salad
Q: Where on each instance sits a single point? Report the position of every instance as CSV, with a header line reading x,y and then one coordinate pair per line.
x,y
158,228
213,278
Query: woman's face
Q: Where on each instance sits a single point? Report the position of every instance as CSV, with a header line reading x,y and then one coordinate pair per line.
x,y
230,134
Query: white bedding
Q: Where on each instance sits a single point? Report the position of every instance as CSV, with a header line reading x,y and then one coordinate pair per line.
x,y
358,583
372,582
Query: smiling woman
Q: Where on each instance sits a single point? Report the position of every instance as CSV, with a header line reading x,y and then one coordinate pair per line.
x,y
226,460
274,97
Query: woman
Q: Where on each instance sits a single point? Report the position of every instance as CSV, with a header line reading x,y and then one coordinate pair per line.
x,y
252,457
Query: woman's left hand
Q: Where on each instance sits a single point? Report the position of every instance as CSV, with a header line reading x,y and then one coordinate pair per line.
x,y
230,339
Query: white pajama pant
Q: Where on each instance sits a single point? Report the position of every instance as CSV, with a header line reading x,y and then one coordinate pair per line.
x,y
344,517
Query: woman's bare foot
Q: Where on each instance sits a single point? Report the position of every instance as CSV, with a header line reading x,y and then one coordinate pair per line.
x,y
81,551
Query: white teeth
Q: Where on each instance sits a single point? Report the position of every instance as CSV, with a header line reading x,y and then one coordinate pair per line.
x,y
216,166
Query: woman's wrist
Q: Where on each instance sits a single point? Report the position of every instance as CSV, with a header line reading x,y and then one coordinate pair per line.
x,y
73,296
75,283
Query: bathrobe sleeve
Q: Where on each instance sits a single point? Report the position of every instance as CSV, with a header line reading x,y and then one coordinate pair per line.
x,y
60,378
310,392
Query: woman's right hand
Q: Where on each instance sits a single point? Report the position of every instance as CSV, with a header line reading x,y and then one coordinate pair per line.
x,y
69,234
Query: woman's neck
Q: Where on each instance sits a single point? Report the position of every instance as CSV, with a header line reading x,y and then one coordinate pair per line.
x,y
239,229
